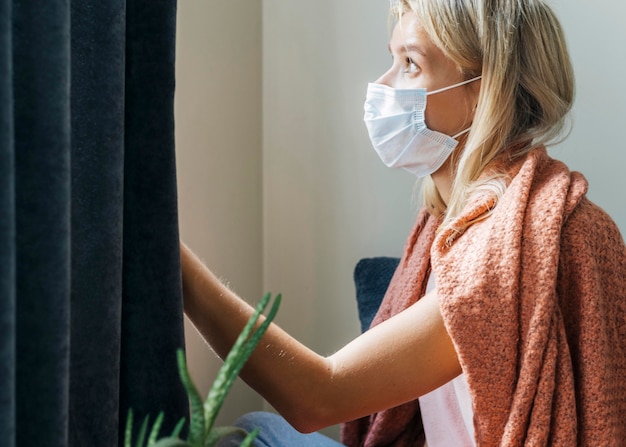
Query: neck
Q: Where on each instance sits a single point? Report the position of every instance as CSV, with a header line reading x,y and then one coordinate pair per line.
x,y
443,179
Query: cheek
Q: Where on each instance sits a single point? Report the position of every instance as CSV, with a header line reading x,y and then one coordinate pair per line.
x,y
448,113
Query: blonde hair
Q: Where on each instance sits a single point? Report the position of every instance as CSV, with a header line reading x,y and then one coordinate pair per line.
x,y
527,85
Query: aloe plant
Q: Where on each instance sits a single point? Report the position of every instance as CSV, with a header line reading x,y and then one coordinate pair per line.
x,y
202,432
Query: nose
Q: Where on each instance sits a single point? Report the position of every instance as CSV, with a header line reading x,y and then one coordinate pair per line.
x,y
386,78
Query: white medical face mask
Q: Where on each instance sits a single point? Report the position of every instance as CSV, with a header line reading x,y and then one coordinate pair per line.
x,y
396,123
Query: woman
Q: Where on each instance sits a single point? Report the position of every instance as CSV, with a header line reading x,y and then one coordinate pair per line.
x,y
505,322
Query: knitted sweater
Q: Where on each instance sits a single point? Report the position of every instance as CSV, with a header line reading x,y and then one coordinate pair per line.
x,y
534,300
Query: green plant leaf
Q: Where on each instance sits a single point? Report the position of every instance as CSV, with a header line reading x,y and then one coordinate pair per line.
x,y
238,355
247,442
142,433
218,433
250,345
172,442
178,428
197,424
155,429
128,434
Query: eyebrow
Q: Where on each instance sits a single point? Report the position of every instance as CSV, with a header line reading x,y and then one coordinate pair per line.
x,y
415,48
410,48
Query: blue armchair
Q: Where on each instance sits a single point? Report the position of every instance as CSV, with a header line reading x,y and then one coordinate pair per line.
x,y
371,278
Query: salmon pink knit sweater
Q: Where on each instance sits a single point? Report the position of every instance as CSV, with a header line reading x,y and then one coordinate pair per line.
x,y
534,299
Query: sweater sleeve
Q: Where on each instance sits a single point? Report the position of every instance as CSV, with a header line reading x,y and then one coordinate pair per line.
x,y
592,298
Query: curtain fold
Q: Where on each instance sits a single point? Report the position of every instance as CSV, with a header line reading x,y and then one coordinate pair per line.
x,y
7,232
98,61
90,296
151,277
41,113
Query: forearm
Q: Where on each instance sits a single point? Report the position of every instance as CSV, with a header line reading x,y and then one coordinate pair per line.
x,y
217,313
283,371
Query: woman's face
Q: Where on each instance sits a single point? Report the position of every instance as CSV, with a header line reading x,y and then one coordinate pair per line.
x,y
418,63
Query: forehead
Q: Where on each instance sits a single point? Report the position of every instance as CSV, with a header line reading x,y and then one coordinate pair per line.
x,y
409,34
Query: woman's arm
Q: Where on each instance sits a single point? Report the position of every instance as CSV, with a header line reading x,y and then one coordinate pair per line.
x,y
395,362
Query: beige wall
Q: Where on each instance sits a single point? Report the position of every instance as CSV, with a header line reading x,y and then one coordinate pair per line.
x,y
218,138
596,35
279,189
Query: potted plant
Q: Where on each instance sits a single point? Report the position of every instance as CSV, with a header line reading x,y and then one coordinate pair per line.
x,y
202,432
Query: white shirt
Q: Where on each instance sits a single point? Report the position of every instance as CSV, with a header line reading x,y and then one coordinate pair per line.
x,y
447,412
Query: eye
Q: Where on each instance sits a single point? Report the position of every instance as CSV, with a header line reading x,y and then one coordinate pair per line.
x,y
411,66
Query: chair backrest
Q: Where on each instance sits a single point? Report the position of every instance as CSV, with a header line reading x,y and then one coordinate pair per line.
x,y
371,279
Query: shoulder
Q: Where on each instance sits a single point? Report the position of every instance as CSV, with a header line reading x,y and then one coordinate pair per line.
x,y
592,254
588,225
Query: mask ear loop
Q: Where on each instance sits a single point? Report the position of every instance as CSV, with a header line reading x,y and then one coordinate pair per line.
x,y
466,130
450,87
454,137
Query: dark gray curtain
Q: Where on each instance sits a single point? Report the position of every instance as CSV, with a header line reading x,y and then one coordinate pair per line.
x,y
90,297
